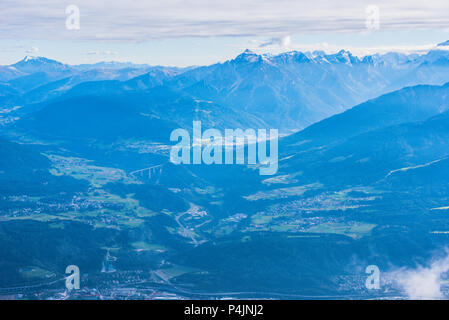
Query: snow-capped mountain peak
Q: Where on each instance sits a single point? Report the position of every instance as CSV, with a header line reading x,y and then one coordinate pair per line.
x,y
31,64
248,56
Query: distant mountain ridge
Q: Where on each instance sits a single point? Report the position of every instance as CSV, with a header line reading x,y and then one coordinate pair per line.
x,y
43,71
288,91
294,89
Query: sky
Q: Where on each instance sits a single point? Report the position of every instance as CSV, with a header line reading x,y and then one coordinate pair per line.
x,y
201,32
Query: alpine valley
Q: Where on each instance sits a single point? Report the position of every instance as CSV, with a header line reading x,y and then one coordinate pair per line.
x,y
86,178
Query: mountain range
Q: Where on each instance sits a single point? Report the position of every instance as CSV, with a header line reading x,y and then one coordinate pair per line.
x,y
288,91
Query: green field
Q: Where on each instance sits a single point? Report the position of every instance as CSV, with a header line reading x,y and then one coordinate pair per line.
x,y
35,272
353,230
82,169
282,192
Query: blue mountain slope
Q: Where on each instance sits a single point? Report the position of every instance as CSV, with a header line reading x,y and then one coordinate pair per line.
x,y
8,73
105,118
34,80
25,171
7,90
425,179
371,156
17,158
100,110
406,105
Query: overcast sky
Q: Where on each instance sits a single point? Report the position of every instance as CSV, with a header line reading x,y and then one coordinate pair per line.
x,y
175,32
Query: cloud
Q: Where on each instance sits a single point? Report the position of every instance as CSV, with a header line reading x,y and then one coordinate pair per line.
x,y
160,19
32,50
102,53
283,42
423,282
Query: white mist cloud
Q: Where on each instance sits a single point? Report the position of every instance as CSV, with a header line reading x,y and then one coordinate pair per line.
x,y
32,50
282,42
423,282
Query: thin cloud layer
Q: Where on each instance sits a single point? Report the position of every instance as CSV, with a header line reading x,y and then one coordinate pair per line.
x,y
145,20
